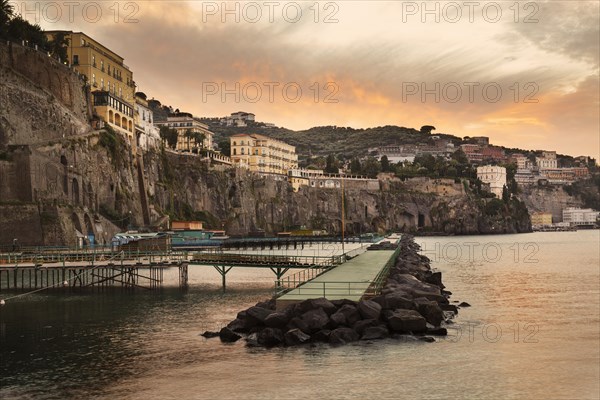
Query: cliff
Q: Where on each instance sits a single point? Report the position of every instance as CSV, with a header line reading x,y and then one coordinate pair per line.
x,y
59,177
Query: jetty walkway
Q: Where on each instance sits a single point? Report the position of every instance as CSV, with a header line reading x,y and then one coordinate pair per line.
x,y
362,276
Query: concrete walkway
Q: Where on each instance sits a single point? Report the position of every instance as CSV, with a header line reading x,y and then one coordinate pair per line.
x,y
349,280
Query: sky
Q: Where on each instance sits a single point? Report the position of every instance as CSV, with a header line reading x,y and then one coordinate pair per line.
x,y
524,73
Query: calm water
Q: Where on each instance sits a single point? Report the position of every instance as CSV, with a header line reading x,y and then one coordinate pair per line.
x,y
533,331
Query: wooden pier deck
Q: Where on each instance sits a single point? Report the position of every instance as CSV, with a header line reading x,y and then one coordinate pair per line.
x,y
351,280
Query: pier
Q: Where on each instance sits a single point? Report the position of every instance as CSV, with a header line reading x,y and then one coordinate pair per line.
x,y
358,278
103,268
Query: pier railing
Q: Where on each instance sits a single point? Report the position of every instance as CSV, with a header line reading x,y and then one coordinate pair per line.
x,y
266,260
328,289
379,280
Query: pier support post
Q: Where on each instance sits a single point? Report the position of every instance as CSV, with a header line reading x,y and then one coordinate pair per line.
x,y
223,270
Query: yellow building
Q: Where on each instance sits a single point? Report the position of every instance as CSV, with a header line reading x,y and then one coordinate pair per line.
x,y
263,154
186,126
110,80
540,218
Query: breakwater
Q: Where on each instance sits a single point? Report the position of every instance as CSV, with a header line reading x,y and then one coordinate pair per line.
x,y
411,302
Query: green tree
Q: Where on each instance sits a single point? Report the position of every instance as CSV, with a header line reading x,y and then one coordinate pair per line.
x,y
6,14
385,164
20,29
169,136
331,166
355,167
371,167
505,194
225,147
58,46
199,138
427,129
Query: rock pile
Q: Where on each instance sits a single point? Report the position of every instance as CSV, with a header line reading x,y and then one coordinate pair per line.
x,y
412,301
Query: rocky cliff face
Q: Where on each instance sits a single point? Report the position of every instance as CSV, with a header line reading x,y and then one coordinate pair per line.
x,y
59,177
548,199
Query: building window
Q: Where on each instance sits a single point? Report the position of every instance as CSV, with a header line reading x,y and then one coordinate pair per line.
x,y
120,91
102,65
94,61
83,42
102,83
75,59
242,151
108,66
93,79
235,152
108,83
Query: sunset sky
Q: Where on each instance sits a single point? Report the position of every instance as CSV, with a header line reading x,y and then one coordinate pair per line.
x,y
374,58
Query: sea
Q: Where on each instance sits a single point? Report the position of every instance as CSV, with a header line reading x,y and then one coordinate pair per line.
x,y
532,331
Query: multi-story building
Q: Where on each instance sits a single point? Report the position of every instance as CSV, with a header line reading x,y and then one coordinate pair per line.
x,y
547,160
494,176
493,153
189,131
473,152
263,154
541,219
146,132
110,80
396,154
580,216
239,119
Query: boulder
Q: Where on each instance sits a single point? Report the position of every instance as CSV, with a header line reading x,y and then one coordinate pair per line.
x,y
406,321
437,332
252,340
396,300
314,304
361,325
242,325
270,304
338,319
294,337
258,314
321,336
315,320
435,279
431,311
464,304
369,309
228,336
427,339
375,332
277,320
431,296
351,314
342,302
209,334
299,323
449,307
342,336
270,337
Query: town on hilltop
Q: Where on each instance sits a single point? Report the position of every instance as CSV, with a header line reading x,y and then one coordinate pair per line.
x,y
369,160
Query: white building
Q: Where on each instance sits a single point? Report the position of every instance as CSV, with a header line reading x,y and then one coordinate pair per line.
x,y
580,216
547,161
147,133
494,176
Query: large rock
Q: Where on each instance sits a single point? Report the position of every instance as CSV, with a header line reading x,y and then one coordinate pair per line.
x,y
277,320
431,296
242,325
313,304
449,307
397,300
375,332
322,336
342,336
435,279
430,310
294,337
228,336
210,334
406,321
270,337
369,309
363,324
350,313
299,323
258,314
338,319
315,320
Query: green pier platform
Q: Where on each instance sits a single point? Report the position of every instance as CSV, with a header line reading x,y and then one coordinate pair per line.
x,y
349,280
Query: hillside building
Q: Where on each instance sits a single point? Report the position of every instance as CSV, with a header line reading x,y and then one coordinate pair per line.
x,y
146,132
263,154
494,176
111,81
580,216
191,133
